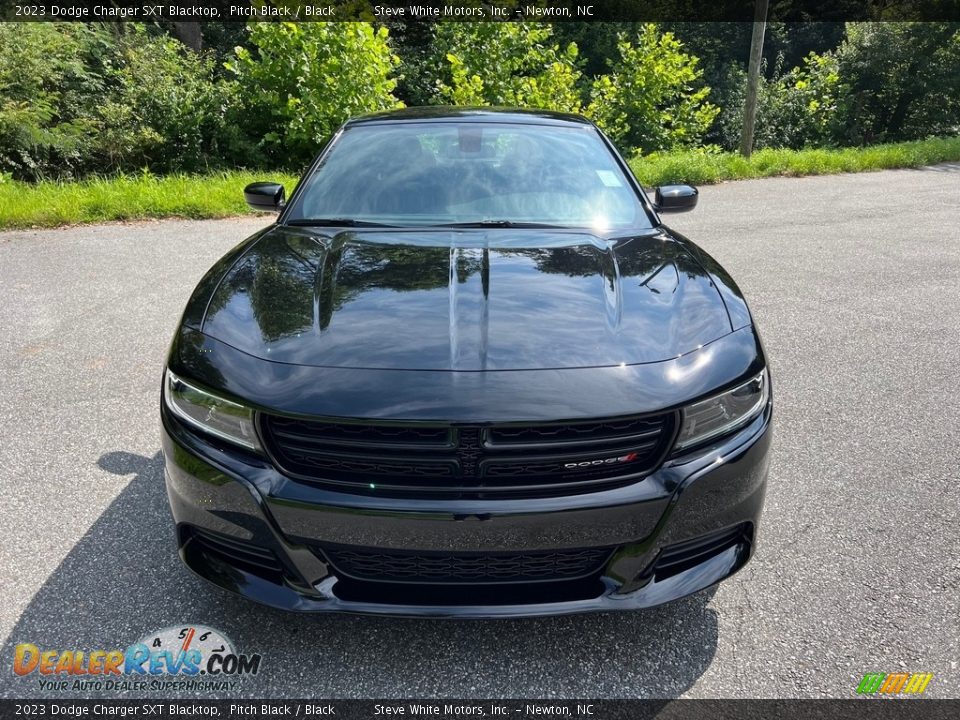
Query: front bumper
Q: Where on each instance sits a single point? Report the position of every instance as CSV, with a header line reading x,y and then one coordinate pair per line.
x,y
247,528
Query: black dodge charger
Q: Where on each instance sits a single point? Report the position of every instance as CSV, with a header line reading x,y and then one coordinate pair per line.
x,y
467,372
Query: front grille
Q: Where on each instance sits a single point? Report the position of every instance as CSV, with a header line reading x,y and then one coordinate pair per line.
x,y
468,461
478,568
612,432
381,435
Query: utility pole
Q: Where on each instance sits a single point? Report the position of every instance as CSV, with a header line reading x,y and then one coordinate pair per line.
x,y
753,77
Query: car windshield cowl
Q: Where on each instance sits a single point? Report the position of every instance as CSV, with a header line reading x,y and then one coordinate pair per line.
x,y
336,222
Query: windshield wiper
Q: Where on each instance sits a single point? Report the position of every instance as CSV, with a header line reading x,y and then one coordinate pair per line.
x,y
498,224
336,222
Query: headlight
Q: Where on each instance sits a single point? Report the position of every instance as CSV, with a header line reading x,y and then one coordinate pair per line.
x,y
723,413
210,413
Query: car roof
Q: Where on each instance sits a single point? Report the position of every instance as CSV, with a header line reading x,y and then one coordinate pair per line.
x,y
435,113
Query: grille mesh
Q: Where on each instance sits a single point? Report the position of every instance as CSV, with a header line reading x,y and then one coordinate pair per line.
x,y
467,568
614,431
468,461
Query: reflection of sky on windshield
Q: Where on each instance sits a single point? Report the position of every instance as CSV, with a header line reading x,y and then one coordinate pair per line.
x,y
440,303
428,173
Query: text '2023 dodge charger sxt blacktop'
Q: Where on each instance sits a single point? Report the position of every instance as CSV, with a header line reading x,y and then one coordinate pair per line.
x,y
467,372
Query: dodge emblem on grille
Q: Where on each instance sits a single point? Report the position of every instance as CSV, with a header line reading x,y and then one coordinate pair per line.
x,y
605,461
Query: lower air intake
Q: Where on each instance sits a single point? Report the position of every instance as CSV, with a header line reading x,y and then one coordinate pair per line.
x,y
481,568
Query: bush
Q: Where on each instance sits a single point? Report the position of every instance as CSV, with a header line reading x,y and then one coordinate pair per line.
x,y
167,108
887,81
649,101
505,63
794,110
898,81
79,99
50,86
303,80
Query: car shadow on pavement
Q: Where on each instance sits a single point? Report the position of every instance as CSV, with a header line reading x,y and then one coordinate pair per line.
x,y
123,579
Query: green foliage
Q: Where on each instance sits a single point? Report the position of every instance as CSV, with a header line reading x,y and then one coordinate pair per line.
x,y
898,81
417,71
166,110
302,80
887,81
76,99
50,86
506,63
650,99
795,109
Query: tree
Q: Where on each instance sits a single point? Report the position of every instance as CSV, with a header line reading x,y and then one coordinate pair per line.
x,y
506,63
302,80
650,100
899,81
795,109
723,49
166,109
50,88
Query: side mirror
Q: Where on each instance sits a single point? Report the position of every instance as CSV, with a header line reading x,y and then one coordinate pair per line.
x,y
675,198
265,196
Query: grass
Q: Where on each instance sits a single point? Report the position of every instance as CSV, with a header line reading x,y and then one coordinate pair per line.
x,y
700,168
134,197
128,197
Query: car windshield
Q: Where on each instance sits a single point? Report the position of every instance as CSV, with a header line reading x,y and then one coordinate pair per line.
x,y
447,173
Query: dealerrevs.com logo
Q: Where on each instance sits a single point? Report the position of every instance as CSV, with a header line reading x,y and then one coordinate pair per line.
x,y
894,683
185,657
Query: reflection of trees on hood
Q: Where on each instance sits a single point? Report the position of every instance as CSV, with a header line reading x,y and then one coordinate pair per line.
x,y
351,270
282,277
584,261
287,279
281,287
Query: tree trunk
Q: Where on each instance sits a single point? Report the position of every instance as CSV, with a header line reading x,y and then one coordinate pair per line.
x,y
753,78
189,34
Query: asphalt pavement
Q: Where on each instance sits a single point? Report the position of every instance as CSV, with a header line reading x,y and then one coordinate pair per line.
x,y
855,284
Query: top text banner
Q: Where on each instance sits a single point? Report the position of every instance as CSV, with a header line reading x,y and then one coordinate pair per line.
x,y
472,10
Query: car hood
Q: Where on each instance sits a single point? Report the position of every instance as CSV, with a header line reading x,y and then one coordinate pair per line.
x,y
467,299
